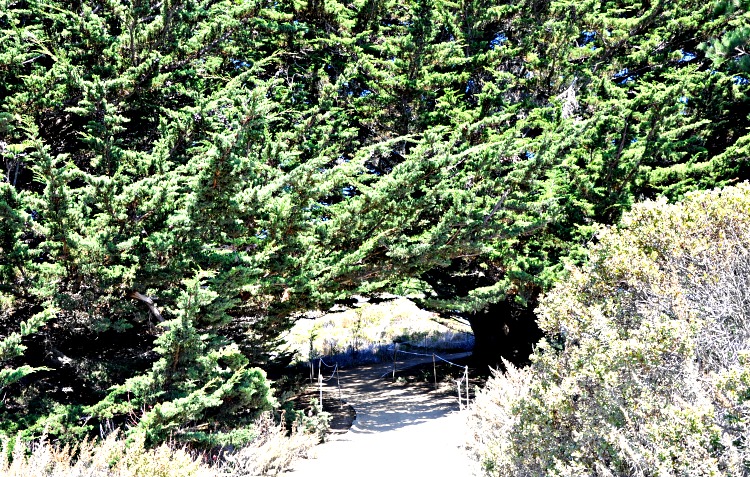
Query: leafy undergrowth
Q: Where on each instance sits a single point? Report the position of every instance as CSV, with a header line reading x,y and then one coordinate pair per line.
x,y
271,452
341,414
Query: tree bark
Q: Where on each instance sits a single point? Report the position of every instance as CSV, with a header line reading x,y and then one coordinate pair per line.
x,y
149,303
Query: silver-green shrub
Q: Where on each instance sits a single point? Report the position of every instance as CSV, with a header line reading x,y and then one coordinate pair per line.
x,y
645,371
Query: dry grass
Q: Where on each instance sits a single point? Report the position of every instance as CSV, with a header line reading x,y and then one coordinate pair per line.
x,y
109,458
270,453
364,329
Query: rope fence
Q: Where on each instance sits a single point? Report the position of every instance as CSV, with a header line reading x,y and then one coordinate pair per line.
x,y
462,385
464,380
321,380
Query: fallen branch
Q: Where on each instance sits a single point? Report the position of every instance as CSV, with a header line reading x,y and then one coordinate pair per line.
x,y
149,302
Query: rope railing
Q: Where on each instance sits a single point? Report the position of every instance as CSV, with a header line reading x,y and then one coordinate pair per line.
x,y
434,356
449,362
335,373
424,354
326,364
320,363
415,354
321,380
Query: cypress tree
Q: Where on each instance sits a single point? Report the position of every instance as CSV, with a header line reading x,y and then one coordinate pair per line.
x,y
200,173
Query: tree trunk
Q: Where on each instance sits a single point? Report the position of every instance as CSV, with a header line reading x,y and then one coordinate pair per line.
x,y
504,330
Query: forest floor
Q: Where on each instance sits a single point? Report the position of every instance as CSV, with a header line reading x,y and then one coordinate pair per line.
x,y
402,428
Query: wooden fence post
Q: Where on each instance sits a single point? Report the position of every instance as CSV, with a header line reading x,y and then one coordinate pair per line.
x,y
434,369
338,383
458,383
466,377
320,383
395,352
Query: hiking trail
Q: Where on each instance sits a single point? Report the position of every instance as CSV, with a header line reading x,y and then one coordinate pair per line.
x,y
400,429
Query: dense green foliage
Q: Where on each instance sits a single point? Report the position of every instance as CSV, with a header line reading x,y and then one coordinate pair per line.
x,y
181,179
646,368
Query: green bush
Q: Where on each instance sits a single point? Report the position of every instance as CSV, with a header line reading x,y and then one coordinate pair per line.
x,y
192,382
645,369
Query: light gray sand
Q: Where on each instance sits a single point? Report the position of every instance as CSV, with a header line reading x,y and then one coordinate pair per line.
x,y
400,430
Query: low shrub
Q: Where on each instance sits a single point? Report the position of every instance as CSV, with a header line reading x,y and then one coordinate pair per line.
x,y
645,368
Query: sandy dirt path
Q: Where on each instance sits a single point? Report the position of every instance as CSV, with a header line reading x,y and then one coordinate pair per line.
x,y
400,430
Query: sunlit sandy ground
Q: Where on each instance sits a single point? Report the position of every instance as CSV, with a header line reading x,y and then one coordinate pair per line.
x,y
400,430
